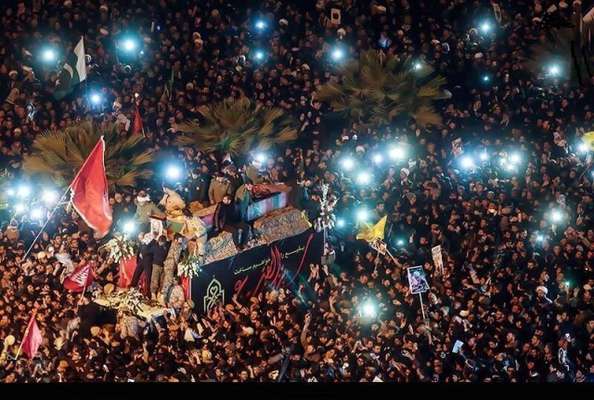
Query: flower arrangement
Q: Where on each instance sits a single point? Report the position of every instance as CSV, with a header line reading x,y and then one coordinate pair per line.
x,y
119,248
326,220
129,300
189,267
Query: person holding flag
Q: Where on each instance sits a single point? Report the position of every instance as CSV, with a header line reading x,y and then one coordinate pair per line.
x,y
32,338
73,72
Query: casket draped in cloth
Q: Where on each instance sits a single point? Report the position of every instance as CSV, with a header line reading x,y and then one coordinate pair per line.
x,y
257,209
219,248
281,224
263,206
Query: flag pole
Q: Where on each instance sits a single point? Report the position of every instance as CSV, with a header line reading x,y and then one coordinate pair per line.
x,y
422,306
391,256
59,202
81,296
46,222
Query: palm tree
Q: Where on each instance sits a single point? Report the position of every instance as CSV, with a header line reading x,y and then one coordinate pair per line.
x,y
237,126
377,88
61,154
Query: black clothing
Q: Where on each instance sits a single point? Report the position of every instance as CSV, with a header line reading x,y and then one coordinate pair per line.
x,y
159,252
145,263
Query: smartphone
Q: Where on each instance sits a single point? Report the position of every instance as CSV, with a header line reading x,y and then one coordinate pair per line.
x,y
457,346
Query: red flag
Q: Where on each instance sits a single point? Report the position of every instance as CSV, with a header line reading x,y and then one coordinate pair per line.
x,y
186,283
80,278
137,127
127,267
32,339
89,191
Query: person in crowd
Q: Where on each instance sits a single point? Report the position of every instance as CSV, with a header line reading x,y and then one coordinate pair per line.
x,y
513,301
226,219
159,254
219,187
145,260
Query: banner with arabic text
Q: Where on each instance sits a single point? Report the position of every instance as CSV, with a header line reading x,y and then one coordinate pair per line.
x,y
279,264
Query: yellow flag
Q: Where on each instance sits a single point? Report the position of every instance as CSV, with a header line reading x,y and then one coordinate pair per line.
x,y
372,233
588,139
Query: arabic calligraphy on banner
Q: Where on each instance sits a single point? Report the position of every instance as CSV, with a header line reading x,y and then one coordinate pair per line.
x,y
278,264
266,261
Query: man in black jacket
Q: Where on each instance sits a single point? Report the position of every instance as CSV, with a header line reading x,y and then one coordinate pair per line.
x,y
159,250
226,219
145,258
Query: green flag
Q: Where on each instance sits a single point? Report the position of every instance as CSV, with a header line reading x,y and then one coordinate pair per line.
x,y
73,72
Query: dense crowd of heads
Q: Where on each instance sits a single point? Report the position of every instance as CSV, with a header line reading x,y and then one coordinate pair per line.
x,y
516,286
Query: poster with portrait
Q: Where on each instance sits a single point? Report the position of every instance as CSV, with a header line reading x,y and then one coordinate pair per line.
x,y
417,280
457,147
437,259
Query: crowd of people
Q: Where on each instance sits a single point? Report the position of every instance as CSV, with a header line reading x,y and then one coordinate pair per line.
x,y
513,301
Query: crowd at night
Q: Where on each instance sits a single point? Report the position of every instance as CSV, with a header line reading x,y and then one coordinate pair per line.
x,y
502,184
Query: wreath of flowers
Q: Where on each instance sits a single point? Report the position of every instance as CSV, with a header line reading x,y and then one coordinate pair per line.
x,y
129,301
326,220
119,248
189,267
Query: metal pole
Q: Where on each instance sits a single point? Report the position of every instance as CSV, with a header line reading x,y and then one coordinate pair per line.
x,y
422,307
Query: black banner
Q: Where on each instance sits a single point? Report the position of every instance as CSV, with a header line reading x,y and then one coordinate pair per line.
x,y
273,266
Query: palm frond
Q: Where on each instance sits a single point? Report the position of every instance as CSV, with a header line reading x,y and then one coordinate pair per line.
x,y
60,155
237,126
377,88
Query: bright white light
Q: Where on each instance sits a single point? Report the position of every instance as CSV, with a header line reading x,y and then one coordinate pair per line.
x,y
400,242
129,44
337,54
484,156
467,162
129,227
362,214
363,178
340,223
515,158
260,157
173,172
539,238
368,310
583,147
95,98
19,208
37,214
397,153
378,158
259,55
417,66
509,167
48,55
348,164
486,78
49,197
556,216
486,27
260,25
10,192
24,191
554,70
